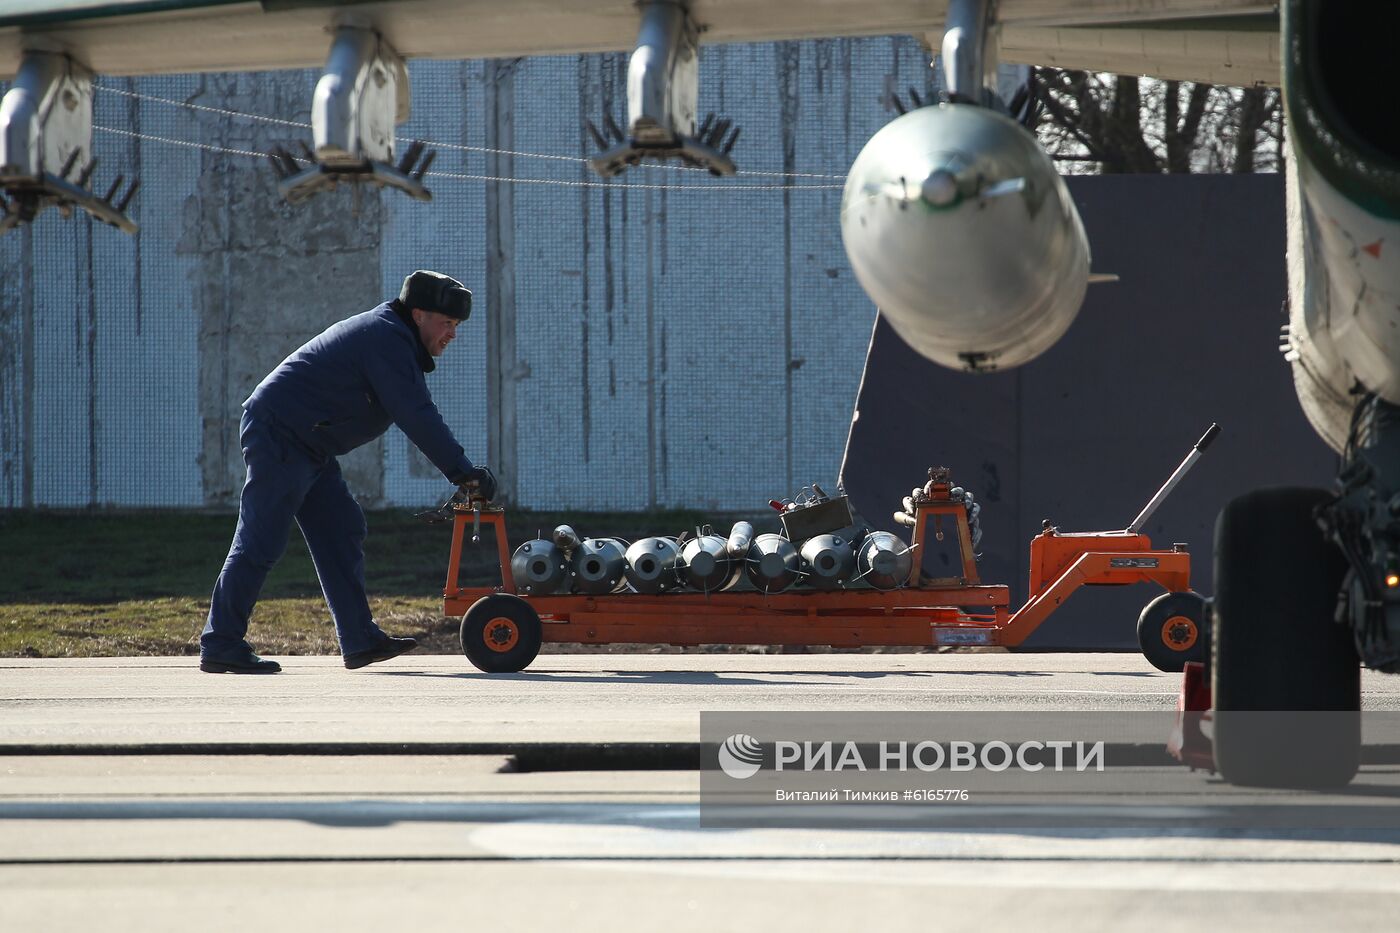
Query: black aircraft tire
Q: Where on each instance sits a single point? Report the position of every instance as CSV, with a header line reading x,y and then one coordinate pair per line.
x,y
1286,680
1172,630
501,634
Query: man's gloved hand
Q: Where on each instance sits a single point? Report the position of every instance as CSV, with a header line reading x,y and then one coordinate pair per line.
x,y
485,482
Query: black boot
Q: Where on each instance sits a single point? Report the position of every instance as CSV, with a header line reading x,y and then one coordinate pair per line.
x,y
390,647
238,660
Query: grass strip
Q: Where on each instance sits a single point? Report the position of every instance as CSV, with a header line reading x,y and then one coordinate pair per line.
x,y
106,583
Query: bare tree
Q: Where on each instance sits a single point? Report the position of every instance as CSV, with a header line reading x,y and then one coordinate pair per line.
x,y
1115,124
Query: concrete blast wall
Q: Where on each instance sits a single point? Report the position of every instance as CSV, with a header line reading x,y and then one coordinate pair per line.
x,y
657,340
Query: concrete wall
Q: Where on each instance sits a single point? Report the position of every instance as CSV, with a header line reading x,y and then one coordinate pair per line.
x,y
645,342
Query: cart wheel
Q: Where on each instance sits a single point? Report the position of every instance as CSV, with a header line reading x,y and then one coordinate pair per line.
x,y
1287,679
501,634
1173,630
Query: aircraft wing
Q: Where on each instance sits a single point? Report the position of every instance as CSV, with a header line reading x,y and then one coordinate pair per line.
x,y
1221,41
1235,50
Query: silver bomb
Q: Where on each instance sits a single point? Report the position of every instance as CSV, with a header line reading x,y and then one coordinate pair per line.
x,y
828,561
884,560
651,565
598,565
773,563
738,544
539,567
705,563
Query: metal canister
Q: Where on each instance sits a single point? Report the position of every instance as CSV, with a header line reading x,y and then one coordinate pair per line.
x,y
773,563
705,564
597,566
828,561
539,567
565,537
884,560
651,565
740,540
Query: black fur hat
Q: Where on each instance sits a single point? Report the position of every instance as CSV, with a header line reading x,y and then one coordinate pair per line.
x,y
433,291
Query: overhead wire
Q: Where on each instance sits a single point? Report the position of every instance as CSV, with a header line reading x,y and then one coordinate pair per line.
x,y
188,144
462,147
189,105
467,176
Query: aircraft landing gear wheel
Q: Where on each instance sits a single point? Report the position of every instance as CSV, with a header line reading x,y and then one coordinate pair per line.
x,y
1286,679
501,634
1173,630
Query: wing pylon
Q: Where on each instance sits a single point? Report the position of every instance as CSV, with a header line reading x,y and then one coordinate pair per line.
x,y
663,89
46,146
360,98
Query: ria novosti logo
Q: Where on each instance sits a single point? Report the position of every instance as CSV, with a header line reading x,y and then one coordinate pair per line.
x,y
741,756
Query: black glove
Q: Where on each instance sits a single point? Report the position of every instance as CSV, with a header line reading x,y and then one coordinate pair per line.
x,y
485,483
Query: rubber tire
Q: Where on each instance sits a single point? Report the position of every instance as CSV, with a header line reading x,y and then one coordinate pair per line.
x,y
1286,679
473,637
1149,630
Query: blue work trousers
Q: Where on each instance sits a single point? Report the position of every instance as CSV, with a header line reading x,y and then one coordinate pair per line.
x,y
286,482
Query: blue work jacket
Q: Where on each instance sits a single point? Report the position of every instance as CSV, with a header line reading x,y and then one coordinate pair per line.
x,y
345,386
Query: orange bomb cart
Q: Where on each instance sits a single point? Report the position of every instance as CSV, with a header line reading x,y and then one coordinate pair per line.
x,y
799,588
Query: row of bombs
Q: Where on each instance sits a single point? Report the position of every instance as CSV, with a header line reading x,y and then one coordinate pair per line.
x,y
708,563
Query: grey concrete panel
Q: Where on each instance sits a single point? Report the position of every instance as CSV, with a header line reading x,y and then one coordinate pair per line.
x,y
1084,435
671,892
575,698
601,815
272,276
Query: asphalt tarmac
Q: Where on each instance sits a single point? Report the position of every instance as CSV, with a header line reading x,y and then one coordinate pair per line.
x,y
140,794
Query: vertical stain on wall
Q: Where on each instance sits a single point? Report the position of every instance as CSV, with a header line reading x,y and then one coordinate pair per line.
x,y
609,290
847,94
650,396
11,342
612,90
656,282
789,62
133,119
88,290
501,355
622,218
28,382
212,246
587,99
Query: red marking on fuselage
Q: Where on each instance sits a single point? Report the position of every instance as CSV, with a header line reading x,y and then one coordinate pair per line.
x,y
1374,248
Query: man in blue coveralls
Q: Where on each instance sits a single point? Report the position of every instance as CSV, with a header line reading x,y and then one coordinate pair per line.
x,y
340,390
